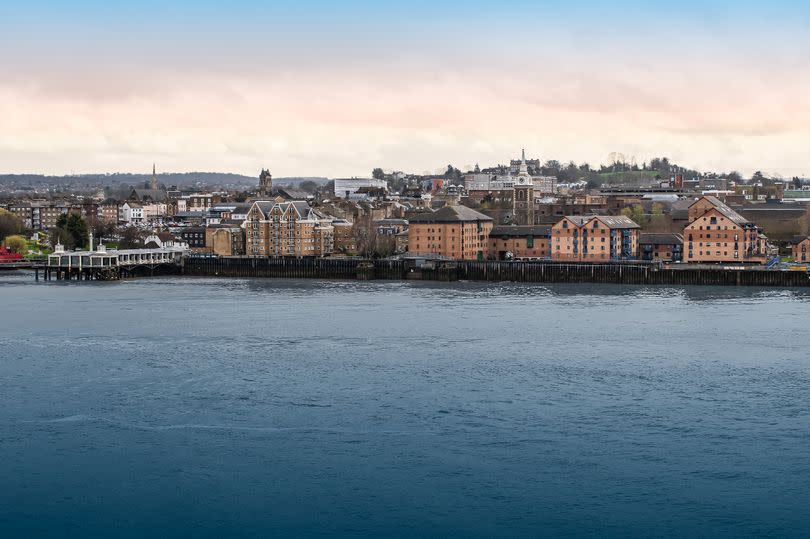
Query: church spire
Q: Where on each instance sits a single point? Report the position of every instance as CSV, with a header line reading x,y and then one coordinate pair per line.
x,y
524,170
153,185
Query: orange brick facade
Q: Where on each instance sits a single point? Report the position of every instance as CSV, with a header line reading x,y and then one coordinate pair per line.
x,y
459,241
719,235
801,251
519,242
287,229
458,233
594,239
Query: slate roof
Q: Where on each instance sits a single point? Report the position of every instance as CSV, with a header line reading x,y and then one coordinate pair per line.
x,y
289,192
155,195
661,239
520,231
724,209
796,240
612,221
450,214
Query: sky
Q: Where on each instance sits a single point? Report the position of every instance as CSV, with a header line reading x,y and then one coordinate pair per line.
x,y
331,88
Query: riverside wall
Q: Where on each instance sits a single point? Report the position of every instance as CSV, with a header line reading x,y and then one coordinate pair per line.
x,y
529,272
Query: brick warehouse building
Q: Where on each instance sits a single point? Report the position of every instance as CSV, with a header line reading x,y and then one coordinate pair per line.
x,y
455,232
718,234
597,238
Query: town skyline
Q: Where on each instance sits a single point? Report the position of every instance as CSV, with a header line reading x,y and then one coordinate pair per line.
x,y
336,90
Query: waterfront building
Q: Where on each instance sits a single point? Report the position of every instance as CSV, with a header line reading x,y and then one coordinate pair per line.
x,y
455,232
194,236
401,242
344,241
225,240
718,234
390,227
164,240
595,238
800,249
288,229
663,247
102,258
516,242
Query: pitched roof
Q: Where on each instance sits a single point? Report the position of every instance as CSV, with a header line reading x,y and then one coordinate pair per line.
x,y
796,240
155,194
724,209
264,206
520,231
661,239
289,192
166,236
450,214
611,221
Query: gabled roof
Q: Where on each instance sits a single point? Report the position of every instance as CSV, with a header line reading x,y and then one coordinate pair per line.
x,y
724,209
796,240
166,236
263,206
154,194
450,214
301,209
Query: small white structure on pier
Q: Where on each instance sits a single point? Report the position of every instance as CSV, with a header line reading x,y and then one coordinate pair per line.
x,y
102,258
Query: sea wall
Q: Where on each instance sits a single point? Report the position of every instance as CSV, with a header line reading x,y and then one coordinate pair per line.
x,y
530,272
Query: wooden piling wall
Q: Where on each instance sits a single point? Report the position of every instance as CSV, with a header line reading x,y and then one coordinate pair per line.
x,y
530,272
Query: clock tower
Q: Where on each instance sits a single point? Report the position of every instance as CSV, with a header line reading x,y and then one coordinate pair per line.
x,y
523,197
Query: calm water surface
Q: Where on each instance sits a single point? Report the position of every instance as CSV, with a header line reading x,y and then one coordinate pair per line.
x,y
213,408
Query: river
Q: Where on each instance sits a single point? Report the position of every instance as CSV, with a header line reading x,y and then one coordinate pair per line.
x,y
252,408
